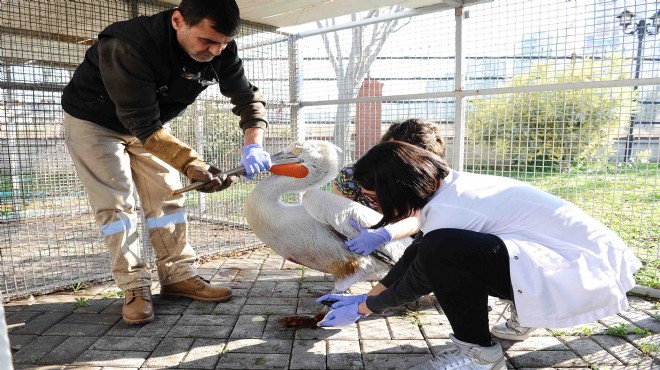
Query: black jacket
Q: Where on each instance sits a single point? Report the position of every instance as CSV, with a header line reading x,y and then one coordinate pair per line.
x,y
131,80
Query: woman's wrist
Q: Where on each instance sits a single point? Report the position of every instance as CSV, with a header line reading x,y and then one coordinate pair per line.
x,y
376,290
363,309
406,227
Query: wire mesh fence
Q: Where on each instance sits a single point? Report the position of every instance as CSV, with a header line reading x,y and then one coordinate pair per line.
x,y
563,95
48,236
555,93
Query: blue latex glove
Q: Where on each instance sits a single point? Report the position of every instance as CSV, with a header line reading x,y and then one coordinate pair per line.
x,y
255,159
342,316
343,299
368,239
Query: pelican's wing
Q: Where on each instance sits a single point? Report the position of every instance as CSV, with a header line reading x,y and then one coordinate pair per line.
x,y
336,211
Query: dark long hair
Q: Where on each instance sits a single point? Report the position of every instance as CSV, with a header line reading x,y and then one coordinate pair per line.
x,y
403,176
224,14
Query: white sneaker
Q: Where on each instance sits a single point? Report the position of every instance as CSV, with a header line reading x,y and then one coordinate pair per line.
x,y
466,356
511,329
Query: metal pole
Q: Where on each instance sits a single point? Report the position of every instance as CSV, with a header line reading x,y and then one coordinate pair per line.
x,y
13,156
641,33
199,133
458,159
295,87
648,81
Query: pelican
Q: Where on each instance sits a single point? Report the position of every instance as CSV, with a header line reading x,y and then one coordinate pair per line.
x,y
312,233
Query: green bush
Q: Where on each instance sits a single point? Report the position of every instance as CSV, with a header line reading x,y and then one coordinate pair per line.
x,y
554,129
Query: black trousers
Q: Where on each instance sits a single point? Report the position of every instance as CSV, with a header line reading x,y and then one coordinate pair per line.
x,y
463,268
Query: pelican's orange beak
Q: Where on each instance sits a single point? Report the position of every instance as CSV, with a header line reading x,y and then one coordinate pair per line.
x,y
295,170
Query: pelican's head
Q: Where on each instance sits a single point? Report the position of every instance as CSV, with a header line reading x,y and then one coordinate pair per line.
x,y
308,163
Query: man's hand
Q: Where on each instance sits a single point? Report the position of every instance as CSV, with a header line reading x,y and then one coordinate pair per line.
x,y
368,239
255,159
198,174
342,316
343,299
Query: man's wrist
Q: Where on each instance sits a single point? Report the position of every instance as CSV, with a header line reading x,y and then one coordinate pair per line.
x,y
253,135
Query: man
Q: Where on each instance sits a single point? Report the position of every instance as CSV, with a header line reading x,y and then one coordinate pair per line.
x,y
142,73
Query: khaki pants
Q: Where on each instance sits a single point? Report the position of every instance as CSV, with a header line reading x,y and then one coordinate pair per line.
x,y
111,165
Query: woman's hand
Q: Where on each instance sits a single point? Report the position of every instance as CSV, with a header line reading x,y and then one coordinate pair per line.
x,y
368,240
343,299
342,316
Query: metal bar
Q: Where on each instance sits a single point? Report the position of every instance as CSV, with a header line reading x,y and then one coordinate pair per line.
x,y
368,21
46,35
492,91
260,44
236,171
196,185
41,86
296,81
458,159
641,33
199,139
12,146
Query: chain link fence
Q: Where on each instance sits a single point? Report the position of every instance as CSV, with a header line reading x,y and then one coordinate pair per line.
x,y
555,93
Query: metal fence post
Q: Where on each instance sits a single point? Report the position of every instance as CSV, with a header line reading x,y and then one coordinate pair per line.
x,y
11,113
458,159
199,139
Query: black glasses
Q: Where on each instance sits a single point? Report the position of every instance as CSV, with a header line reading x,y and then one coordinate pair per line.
x,y
197,76
371,198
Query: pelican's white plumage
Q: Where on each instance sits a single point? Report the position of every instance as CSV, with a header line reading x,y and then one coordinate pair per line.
x,y
312,233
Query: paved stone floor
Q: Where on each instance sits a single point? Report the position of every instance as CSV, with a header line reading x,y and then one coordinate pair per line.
x,y
82,329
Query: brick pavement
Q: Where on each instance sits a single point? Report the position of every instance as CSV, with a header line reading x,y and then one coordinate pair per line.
x,y
83,329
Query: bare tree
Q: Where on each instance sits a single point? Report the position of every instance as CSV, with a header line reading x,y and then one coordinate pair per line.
x,y
352,61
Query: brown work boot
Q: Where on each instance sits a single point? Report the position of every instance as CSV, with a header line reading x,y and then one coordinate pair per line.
x,y
138,308
196,288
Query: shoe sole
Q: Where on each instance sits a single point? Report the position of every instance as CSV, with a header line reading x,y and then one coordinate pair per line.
x,y
512,337
197,298
138,322
501,365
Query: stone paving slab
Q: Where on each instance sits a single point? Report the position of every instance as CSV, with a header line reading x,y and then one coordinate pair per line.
x,y
57,332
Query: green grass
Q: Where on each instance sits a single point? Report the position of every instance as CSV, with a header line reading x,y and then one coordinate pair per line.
x,y
77,286
650,349
618,331
622,330
415,317
586,331
82,302
112,294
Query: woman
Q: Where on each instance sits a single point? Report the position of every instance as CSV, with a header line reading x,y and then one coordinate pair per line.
x,y
420,133
489,235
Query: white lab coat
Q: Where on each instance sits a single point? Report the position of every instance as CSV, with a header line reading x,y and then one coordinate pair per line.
x,y
566,267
